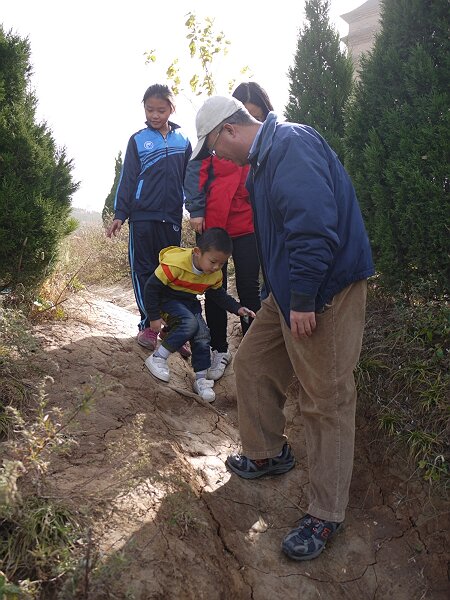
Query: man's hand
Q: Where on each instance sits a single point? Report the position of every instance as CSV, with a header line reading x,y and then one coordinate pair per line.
x,y
114,228
245,313
302,324
197,224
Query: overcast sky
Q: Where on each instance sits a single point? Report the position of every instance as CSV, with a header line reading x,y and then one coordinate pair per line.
x,y
90,72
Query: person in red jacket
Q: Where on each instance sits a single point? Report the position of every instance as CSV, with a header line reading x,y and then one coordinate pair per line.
x,y
216,196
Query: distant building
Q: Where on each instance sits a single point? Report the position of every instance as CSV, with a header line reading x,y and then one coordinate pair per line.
x,y
364,23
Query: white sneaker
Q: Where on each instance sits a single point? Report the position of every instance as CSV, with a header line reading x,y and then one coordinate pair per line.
x,y
158,367
219,362
203,387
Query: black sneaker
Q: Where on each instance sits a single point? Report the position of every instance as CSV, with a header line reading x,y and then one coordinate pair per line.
x,y
250,469
309,538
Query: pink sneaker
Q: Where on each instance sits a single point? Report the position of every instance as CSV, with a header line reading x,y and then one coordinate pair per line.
x,y
184,350
147,338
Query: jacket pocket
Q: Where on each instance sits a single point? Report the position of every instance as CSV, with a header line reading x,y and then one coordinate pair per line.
x,y
139,189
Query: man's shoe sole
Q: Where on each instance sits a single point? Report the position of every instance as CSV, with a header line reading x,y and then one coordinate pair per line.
x,y
278,470
304,557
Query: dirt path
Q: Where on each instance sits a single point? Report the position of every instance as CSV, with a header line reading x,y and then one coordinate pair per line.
x,y
172,523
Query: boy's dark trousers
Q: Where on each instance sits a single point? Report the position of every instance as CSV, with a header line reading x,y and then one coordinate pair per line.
x,y
186,324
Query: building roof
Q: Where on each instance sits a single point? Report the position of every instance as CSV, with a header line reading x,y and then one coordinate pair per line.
x,y
363,24
363,10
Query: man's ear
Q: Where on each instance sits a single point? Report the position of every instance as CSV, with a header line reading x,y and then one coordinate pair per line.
x,y
230,129
197,251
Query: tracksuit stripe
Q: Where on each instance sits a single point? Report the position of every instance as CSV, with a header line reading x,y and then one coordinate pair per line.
x,y
134,277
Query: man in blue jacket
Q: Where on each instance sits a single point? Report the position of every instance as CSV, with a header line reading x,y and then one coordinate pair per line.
x,y
316,259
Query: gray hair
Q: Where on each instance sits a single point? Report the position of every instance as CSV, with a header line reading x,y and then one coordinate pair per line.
x,y
240,117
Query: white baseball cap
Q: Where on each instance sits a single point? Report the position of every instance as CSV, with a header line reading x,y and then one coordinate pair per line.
x,y
213,111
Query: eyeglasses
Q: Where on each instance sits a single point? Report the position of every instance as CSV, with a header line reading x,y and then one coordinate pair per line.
x,y
211,150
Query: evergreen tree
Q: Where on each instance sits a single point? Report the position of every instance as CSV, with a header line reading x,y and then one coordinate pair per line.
x,y
321,78
108,209
35,177
398,137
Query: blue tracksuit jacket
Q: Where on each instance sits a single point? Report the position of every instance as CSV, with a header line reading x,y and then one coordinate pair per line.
x,y
311,237
151,182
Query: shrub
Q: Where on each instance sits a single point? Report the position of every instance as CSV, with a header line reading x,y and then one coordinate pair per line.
x,y
35,178
398,140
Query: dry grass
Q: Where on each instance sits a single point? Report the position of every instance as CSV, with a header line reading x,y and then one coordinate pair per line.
x,y
37,537
403,377
87,257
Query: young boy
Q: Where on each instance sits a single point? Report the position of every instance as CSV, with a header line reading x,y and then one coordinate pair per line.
x,y
171,297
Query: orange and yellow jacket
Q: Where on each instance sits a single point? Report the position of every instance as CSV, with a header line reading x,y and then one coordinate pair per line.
x,y
176,279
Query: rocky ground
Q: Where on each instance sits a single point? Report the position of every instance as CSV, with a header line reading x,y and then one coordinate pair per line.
x,y
172,523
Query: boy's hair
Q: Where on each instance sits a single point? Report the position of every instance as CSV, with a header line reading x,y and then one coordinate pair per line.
x,y
161,91
215,238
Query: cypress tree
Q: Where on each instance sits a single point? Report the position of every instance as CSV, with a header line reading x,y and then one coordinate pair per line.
x,y
398,140
321,78
35,177
108,208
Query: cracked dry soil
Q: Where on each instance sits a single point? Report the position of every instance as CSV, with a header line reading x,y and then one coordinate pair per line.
x,y
173,524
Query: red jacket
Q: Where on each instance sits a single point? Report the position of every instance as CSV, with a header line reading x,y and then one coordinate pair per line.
x,y
215,189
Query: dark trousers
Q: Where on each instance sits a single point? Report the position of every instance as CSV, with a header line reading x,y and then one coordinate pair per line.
x,y
247,266
186,324
146,240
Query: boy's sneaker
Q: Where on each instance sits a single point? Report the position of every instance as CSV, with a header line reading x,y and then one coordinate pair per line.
x,y
309,538
251,469
204,388
158,367
147,338
219,362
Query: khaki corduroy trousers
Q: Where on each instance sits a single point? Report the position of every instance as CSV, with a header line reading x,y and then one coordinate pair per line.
x,y
267,358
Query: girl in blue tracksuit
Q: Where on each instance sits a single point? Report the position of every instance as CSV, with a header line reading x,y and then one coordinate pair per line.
x,y
150,194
